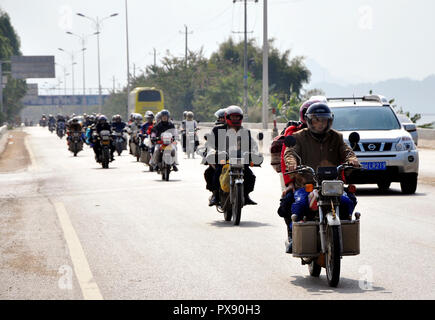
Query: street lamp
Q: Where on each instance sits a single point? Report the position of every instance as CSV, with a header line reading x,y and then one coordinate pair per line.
x,y
71,54
65,74
97,23
83,39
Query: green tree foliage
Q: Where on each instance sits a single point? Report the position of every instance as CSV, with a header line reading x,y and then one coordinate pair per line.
x,y
205,85
15,89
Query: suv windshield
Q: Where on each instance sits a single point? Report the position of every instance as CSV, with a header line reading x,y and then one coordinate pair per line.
x,y
364,118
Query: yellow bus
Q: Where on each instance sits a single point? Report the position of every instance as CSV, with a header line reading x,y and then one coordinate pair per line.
x,y
142,99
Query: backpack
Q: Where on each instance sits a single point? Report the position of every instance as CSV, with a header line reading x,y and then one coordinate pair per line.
x,y
275,152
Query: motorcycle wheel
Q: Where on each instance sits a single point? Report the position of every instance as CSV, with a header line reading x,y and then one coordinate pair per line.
x,y
237,204
167,171
105,158
333,256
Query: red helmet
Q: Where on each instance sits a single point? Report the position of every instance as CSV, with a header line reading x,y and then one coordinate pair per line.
x,y
234,110
304,107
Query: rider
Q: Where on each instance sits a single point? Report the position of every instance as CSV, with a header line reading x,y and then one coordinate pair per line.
x,y
318,145
74,126
102,124
117,124
51,120
164,125
133,128
287,196
234,118
188,125
209,172
148,125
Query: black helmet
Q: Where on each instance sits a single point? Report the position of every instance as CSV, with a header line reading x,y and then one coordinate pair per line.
x,y
165,112
319,110
102,119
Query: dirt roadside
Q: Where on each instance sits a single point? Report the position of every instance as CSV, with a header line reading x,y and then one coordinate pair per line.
x,y
15,157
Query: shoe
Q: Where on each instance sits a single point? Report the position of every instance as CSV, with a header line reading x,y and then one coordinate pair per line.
x,y
249,201
174,167
214,200
288,245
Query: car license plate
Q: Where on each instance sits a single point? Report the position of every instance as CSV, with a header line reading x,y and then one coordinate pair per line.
x,y
378,165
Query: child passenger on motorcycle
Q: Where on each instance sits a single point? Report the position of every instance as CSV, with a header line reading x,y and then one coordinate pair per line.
x,y
317,146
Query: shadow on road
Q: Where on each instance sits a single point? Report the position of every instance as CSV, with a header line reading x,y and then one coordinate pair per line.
x,y
319,286
243,224
170,180
362,192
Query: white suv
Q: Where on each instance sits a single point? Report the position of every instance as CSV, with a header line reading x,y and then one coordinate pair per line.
x,y
386,150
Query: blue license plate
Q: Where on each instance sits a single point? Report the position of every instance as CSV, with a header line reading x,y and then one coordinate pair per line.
x,y
378,165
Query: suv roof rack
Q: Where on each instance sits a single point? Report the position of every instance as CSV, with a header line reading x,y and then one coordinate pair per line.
x,y
372,97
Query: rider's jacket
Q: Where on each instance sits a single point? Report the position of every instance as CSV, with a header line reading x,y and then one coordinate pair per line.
x,y
218,134
146,128
74,127
162,127
102,126
329,150
118,126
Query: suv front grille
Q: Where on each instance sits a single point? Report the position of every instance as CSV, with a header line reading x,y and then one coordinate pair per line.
x,y
374,146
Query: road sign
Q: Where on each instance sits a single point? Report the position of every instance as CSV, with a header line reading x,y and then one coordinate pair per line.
x,y
25,67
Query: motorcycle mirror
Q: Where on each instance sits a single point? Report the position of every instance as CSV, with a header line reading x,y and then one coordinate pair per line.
x,y
354,139
289,141
260,136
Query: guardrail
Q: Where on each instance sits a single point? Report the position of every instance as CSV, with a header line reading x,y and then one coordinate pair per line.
x,y
3,138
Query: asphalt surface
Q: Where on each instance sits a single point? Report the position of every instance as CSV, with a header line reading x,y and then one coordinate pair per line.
x,y
72,230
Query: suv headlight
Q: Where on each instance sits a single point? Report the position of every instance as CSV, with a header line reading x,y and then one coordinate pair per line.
x,y
404,144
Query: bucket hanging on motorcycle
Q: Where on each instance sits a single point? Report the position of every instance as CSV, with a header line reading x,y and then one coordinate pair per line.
x,y
224,178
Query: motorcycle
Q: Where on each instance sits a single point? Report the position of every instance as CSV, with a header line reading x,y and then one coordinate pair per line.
x,y
104,139
231,193
60,130
75,143
119,141
325,235
167,154
51,127
43,122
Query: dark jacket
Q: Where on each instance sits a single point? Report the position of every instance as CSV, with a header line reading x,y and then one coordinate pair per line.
x,y
329,151
162,127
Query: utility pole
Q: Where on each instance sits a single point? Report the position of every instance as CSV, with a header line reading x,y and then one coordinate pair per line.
x,y
186,48
265,68
155,57
128,55
245,60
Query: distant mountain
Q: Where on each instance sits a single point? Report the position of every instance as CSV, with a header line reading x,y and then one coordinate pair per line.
x,y
412,95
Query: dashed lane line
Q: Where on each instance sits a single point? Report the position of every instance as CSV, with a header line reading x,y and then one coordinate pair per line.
x,y
82,270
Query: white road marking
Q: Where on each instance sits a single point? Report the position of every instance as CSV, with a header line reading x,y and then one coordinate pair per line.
x,y
84,275
34,165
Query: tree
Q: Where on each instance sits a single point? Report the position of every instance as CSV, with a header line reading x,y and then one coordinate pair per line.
x,y
15,89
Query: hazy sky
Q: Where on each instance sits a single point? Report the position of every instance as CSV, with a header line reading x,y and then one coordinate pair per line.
x,y
354,40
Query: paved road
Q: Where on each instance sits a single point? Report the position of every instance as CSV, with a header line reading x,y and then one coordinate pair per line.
x,y
71,230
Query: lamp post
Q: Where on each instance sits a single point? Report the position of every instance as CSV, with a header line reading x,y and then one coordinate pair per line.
x,y
97,23
83,41
71,54
65,74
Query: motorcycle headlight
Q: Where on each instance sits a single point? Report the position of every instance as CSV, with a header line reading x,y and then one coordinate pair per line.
x,y
332,188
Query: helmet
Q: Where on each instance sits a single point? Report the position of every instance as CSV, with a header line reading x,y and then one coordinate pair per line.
x,y
149,115
75,120
319,110
165,112
189,115
304,107
116,118
102,119
234,110
184,114
138,117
